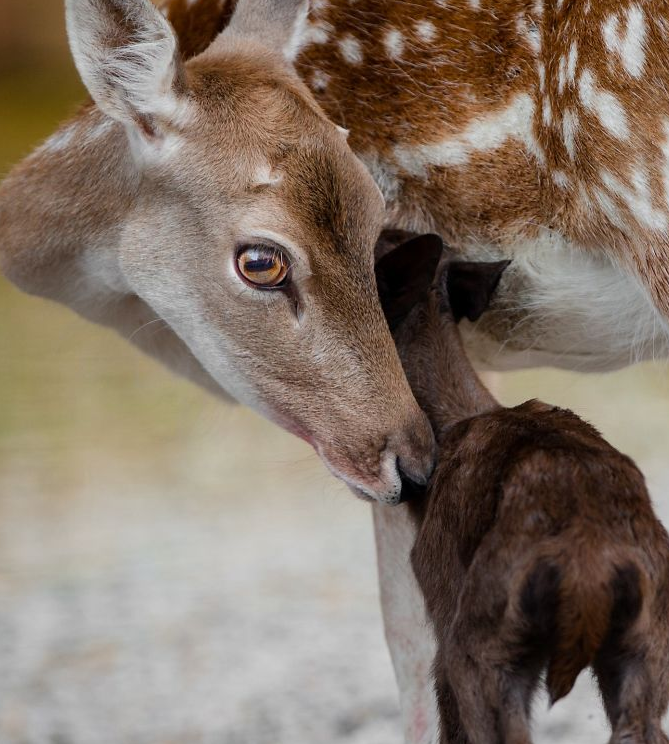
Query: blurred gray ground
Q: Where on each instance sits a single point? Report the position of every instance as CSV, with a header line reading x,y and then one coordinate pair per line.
x,y
163,617
173,571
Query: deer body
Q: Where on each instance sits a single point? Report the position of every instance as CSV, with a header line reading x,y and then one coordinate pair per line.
x,y
529,129
537,547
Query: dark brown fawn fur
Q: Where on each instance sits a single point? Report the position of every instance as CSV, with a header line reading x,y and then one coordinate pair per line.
x,y
537,547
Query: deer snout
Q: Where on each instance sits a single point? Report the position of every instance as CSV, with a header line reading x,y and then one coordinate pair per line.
x,y
409,457
379,474
415,452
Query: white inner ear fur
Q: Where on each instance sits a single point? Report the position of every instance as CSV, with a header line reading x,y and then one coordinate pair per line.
x,y
134,79
280,25
294,44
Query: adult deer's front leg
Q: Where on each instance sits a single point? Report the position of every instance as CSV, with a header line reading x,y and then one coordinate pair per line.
x,y
408,632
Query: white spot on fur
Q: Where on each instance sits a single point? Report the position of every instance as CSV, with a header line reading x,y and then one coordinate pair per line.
x,y
637,197
538,8
562,74
609,207
426,31
560,179
604,105
475,4
393,41
572,61
541,72
514,121
351,49
265,175
315,33
570,123
547,111
319,80
630,46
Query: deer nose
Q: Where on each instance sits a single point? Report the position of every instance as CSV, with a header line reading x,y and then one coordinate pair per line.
x,y
411,489
415,451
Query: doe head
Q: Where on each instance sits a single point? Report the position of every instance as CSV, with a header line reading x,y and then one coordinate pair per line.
x,y
251,228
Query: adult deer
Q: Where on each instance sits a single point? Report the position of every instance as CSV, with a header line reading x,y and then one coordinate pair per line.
x,y
217,194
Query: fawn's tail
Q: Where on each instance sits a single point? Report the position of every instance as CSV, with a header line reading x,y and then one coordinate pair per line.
x,y
571,608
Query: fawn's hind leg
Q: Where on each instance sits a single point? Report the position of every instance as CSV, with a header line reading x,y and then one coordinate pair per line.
x,y
493,697
633,678
632,666
633,698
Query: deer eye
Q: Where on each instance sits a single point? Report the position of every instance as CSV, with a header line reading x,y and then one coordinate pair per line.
x,y
263,266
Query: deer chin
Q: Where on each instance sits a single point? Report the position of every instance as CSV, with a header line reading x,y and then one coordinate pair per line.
x,y
383,487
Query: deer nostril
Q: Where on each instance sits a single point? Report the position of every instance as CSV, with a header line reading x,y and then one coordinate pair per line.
x,y
411,488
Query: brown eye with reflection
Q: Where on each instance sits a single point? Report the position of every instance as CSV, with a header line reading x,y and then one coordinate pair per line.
x,y
263,266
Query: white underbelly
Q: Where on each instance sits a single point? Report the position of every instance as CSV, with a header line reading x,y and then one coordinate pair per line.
x,y
564,306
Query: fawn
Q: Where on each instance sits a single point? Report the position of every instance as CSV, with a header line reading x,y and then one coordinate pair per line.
x,y
537,545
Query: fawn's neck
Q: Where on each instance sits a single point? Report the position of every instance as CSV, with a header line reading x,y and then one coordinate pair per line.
x,y
443,379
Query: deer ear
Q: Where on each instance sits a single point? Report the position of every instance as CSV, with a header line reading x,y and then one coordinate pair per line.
x,y
404,275
127,55
471,285
276,22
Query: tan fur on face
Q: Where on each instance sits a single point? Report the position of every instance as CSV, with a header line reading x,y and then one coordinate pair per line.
x,y
148,226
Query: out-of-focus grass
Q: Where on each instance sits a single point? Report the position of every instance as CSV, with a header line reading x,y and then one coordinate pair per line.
x,y
32,102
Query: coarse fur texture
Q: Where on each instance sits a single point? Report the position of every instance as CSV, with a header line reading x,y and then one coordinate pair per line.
x,y
537,547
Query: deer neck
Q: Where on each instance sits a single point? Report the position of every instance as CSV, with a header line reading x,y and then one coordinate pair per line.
x,y
61,209
442,378
439,101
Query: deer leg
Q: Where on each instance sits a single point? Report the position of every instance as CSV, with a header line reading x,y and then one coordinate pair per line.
x,y
408,631
634,696
493,695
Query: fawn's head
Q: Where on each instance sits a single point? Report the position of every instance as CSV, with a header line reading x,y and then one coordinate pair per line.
x,y
424,295
252,230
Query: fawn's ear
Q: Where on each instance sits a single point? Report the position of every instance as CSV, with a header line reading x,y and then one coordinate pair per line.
x,y
127,55
278,24
471,285
404,275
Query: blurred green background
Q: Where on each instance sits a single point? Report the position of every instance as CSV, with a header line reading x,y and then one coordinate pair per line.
x,y
144,541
